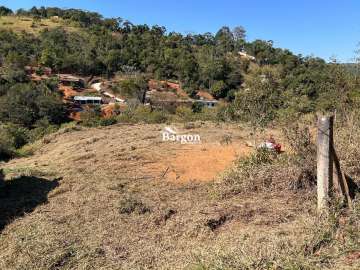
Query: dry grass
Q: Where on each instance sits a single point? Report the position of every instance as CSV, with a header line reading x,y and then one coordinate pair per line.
x,y
19,24
112,209
311,243
331,242
347,140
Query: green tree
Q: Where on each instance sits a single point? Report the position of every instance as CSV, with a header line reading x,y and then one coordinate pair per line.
x,y
4,11
224,39
239,34
133,88
24,104
260,100
219,89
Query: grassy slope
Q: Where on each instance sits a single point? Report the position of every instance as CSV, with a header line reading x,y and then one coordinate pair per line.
x,y
19,24
86,181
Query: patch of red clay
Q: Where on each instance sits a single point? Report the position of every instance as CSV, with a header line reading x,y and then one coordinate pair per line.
x,y
67,92
202,163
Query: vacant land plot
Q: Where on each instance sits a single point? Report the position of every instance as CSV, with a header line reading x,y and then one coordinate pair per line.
x,y
120,198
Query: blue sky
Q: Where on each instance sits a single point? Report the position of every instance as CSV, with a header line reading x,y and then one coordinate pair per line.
x,y
322,28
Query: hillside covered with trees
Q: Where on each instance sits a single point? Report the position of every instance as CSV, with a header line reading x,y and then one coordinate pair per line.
x,y
277,85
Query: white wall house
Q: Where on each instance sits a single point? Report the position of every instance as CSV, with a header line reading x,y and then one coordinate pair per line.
x,y
88,100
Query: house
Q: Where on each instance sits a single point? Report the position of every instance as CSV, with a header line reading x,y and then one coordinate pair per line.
x,y
169,96
85,100
167,100
243,54
206,99
70,80
208,103
203,95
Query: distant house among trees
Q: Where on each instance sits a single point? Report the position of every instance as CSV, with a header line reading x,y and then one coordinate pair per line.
x,y
205,99
84,100
169,100
70,80
208,103
243,54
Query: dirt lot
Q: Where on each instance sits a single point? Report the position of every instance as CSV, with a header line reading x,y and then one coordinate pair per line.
x,y
120,198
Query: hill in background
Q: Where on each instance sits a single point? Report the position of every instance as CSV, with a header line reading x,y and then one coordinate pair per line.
x,y
19,24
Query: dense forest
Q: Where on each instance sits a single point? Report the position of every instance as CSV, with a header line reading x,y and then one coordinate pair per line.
x,y
278,85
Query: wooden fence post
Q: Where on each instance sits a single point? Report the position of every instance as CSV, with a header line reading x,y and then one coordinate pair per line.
x,y
324,160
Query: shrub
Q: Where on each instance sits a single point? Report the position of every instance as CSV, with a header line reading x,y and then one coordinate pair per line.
x,y
12,137
125,117
6,144
20,135
15,139
157,117
42,128
197,107
347,141
224,113
184,114
108,121
27,150
266,170
208,114
130,204
90,117
143,114
249,173
219,89
299,139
